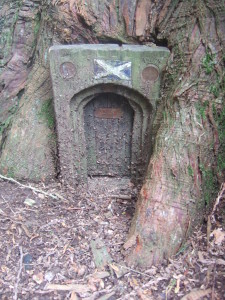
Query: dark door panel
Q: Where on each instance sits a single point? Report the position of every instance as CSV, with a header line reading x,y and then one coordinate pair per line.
x,y
108,123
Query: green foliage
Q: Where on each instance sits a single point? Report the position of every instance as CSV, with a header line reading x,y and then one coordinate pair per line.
x,y
182,249
37,23
201,108
47,113
208,63
10,173
218,86
221,161
172,283
5,124
6,37
214,89
164,115
220,121
209,184
190,171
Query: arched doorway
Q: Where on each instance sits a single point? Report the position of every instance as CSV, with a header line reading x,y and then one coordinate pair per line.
x,y
93,111
108,125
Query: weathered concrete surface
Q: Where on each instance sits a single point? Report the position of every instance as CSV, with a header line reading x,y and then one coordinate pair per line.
x,y
83,56
81,72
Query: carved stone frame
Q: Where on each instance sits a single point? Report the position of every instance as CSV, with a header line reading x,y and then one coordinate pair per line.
x,y
75,84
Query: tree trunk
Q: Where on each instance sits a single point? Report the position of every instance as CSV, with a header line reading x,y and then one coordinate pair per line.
x,y
188,131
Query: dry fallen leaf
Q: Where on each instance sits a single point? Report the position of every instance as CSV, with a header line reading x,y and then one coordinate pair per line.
x,y
101,274
220,261
102,284
114,267
65,248
29,202
82,270
219,236
177,288
75,267
130,242
197,294
200,256
73,296
144,294
4,269
38,278
41,196
133,282
203,260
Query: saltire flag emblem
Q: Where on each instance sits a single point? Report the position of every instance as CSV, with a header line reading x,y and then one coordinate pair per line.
x,y
112,69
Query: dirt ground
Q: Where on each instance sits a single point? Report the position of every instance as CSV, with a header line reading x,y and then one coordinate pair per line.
x,y
50,247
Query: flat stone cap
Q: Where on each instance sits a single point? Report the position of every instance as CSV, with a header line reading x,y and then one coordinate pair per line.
x,y
105,47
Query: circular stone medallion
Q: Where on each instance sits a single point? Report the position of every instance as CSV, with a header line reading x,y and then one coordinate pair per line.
x,y
150,73
67,70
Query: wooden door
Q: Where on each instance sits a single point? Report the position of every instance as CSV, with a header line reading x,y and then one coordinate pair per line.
x,y
108,124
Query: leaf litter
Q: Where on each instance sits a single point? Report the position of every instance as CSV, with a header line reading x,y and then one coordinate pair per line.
x,y
71,247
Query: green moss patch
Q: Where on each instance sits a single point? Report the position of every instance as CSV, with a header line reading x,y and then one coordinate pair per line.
x,y
47,113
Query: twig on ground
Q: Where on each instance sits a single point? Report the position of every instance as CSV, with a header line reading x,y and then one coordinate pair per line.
x,y
54,196
43,292
213,285
74,208
209,225
24,227
18,274
132,270
79,288
222,190
122,197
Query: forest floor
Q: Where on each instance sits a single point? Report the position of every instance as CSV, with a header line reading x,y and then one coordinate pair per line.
x,y
72,248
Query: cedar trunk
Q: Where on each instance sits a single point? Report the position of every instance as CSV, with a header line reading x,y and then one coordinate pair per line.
x,y
188,161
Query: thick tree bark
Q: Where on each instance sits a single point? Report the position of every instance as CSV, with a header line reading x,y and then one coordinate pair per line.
x,y
188,129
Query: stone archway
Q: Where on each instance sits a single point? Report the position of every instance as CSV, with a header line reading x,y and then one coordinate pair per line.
x,y
141,128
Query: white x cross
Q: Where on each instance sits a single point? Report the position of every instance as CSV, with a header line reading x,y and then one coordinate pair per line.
x,y
109,69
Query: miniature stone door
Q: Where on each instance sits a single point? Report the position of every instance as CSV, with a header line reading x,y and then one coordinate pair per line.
x,y
105,98
108,125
